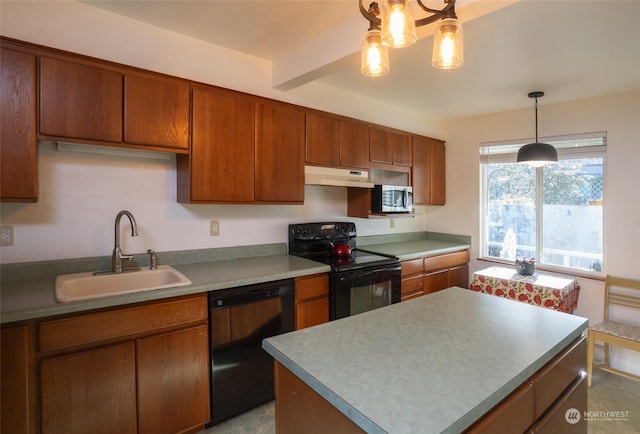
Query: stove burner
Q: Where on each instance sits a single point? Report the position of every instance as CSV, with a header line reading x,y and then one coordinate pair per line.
x,y
313,241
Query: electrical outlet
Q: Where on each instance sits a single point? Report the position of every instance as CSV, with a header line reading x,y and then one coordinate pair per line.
x,y
214,228
6,235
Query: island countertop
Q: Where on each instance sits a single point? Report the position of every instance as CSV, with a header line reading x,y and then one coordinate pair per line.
x,y
432,364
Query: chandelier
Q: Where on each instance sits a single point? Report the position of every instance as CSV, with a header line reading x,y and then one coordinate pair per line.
x,y
393,26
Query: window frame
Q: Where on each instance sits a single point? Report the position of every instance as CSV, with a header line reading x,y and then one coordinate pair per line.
x,y
593,146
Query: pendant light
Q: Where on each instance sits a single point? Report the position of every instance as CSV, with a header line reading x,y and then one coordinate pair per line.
x,y
398,25
537,154
374,60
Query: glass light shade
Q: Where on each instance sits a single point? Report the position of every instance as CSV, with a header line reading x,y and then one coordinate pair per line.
x,y
398,25
374,56
448,46
537,154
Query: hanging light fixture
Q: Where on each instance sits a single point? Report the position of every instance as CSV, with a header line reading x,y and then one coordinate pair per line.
x,y
537,154
375,56
396,28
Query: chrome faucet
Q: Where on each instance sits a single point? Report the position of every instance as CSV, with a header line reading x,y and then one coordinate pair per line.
x,y
118,256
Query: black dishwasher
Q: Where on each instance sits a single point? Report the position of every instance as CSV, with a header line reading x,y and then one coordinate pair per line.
x,y
239,319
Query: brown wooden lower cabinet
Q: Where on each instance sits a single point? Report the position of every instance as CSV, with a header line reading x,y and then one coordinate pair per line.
x,y
300,409
541,403
141,368
85,390
17,380
171,396
429,274
312,300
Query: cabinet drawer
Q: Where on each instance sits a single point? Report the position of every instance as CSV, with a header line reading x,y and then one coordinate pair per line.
x,y
557,375
446,261
412,284
573,402
312,287
513,414
121,322
412,267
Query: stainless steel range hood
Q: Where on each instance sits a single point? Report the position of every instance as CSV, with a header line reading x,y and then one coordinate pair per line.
x,y
315,175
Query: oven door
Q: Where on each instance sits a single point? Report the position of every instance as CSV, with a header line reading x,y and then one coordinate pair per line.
x,y
356,291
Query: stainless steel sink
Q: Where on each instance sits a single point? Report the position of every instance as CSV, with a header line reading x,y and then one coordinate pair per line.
x,y
84,286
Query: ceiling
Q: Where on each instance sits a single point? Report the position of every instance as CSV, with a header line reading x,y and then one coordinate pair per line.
x,y
569,49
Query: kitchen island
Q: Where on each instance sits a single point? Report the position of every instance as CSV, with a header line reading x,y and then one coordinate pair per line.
x,y
438,363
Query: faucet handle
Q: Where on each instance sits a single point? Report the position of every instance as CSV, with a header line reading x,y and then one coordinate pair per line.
x,y
153,263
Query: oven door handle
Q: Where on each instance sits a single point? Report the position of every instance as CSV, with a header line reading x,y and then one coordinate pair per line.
x,y
355,274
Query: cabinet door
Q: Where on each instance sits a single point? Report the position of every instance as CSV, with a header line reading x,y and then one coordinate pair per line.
x,y
312,300
401,145
156,112
354,144
380,148
436,281
80,101
89,391
17,378
279,153
428,171
389,147
313,312
18,146
459,276
322,140
221,165
173,381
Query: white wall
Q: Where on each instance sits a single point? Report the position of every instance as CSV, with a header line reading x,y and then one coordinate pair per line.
x,y
619,116
80,195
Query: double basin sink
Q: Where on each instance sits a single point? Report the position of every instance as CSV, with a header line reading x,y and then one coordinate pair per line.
x,y
86,286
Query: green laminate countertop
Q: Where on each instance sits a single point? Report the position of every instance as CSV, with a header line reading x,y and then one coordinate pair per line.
x,y
414,245
29,293
432,364
27,289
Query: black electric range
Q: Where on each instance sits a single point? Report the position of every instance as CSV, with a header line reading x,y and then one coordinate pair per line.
x,y
358,282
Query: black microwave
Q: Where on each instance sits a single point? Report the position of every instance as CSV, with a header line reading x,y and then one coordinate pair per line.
x,y
391,198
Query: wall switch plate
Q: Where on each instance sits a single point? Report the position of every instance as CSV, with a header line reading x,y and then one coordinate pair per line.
x,y
214,228
6,235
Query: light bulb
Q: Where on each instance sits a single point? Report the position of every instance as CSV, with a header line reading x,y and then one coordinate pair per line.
x,y
448,48
398,26
375,56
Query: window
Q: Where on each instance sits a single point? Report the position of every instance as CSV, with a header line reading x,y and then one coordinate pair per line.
x,y
552,213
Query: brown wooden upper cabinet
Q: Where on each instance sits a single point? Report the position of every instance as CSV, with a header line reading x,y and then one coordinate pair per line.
x,y
333,141
80,101
222,162
18,144
389,147
244,150
428,172
100,104
279,153
156,111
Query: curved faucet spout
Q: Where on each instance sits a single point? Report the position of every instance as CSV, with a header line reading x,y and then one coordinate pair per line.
x,y
118,256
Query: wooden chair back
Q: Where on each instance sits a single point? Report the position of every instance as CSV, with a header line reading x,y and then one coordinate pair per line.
x,y
613,295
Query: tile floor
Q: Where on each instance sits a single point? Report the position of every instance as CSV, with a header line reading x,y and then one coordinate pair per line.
x,y
609,393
